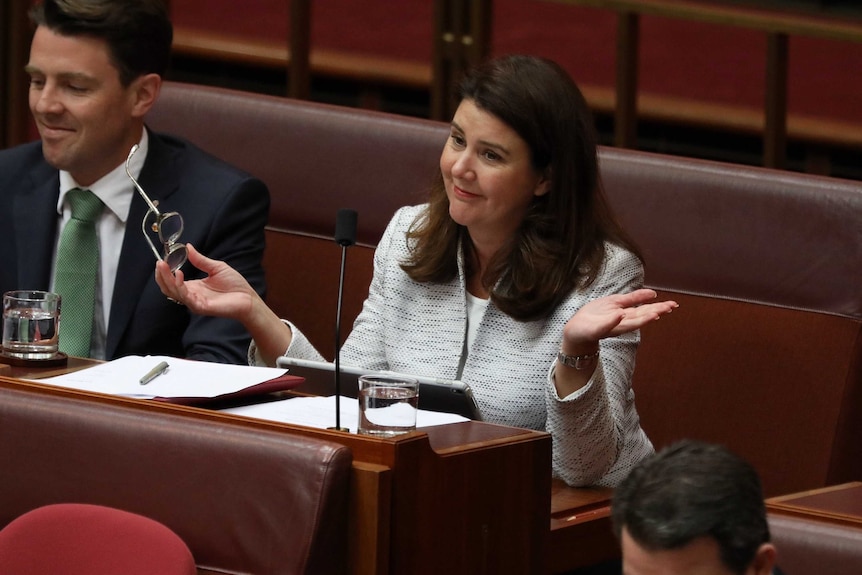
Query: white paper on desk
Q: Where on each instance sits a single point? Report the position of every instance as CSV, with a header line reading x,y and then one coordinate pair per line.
x,y
319,412
184,377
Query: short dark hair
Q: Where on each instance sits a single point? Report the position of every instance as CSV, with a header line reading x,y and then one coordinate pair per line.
x,y
138,32
690,490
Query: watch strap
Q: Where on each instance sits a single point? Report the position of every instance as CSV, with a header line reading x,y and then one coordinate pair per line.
x,y
579,362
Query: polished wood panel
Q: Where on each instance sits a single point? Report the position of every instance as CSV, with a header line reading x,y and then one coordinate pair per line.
x,y
837,503
581,532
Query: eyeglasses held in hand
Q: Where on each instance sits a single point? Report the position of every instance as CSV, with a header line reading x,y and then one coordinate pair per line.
x,y
168,226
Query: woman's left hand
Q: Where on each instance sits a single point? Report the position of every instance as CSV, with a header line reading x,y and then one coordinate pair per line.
x,y
614,315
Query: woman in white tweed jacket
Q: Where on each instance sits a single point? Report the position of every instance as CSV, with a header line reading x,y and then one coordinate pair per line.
x,y
514,278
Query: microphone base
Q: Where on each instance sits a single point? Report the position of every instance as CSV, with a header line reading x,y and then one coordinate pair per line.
x,y
344,429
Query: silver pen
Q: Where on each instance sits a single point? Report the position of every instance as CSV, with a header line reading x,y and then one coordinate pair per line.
x,y
154,373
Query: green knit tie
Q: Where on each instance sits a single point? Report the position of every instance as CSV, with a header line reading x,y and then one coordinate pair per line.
x,y
75,277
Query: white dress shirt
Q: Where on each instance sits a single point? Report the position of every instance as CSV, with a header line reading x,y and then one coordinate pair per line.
x,y
116,191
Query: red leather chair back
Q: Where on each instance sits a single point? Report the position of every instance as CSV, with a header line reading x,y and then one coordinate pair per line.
x,y
80,539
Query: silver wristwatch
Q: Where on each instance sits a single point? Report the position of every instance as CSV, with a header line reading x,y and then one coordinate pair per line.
x,y
579,362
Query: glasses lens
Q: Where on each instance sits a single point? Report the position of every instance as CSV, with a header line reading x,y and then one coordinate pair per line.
x,y
175,256
170,227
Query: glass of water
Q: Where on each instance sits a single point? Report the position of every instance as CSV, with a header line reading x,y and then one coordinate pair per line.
x,y
31,324
387,405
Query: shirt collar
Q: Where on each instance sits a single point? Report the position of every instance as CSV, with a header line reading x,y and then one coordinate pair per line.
x,y
114,188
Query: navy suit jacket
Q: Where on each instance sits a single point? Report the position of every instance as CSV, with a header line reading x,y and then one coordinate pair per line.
x,y
224,210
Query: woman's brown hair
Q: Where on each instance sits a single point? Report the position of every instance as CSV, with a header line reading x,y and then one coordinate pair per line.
x,y
561,242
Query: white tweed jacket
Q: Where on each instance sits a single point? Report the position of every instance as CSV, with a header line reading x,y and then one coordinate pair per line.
x,y
411,327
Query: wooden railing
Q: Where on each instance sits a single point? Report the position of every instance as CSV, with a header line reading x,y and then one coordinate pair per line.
x,y
463,36
777,25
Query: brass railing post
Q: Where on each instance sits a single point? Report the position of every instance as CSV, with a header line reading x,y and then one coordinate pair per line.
x,y
626,112
462,38
15,34
775,104
299,69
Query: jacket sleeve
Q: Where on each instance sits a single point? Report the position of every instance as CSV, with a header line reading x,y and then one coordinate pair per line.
x,y
589,428
236,236
366,344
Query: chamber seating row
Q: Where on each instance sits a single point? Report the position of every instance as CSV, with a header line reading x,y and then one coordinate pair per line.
x,y
764,353
244,499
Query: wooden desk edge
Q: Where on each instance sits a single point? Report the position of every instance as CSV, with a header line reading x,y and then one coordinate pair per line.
x,y
794,504
778,500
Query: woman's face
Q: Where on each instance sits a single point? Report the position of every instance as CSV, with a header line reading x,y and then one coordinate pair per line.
x,y
489,178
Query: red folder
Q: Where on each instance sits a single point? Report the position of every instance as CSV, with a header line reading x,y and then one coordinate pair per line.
x,y
283,383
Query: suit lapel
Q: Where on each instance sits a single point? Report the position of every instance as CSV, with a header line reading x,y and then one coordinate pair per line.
x,y
137,265
35,240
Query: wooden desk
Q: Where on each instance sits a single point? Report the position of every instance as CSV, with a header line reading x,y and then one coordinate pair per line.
x,y
835,504
464,498
74,364
581,532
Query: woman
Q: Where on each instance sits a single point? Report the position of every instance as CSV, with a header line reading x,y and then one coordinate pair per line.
x,y
513,278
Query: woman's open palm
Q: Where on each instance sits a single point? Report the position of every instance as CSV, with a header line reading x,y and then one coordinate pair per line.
x,y
615,315
224,292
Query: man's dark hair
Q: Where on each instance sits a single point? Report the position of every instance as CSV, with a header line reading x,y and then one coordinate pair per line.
x,y
691,490
138,32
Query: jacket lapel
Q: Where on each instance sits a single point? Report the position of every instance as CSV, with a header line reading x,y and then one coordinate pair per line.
x,y
137,265
35,246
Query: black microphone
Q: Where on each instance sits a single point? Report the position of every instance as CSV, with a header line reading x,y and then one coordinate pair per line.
x,y
345,236
345,227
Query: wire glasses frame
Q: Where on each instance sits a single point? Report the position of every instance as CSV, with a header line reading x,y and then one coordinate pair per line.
x,y
169,226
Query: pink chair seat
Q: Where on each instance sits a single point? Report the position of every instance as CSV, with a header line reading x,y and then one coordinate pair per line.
x,y
81,539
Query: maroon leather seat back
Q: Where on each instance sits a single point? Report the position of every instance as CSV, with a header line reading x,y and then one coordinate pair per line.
x,y
811,547
244,498
763,354
744,233
315,159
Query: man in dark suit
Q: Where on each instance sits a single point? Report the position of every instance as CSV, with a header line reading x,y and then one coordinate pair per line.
x,y
693,507
95,69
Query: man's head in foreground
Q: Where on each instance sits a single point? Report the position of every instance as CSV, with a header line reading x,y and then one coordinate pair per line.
x,y
693,509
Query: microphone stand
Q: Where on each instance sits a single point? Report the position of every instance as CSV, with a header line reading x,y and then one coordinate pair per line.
x,y
338,346
345,236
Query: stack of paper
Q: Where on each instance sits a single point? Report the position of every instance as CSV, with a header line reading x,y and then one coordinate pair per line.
x,y
319,412
183,378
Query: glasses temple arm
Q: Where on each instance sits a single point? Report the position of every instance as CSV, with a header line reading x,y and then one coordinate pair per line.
x,y
138,187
